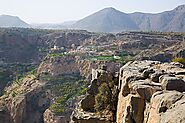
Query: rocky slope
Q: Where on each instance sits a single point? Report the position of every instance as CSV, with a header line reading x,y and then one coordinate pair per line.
x,y
24,102
149,92
67,65
33,45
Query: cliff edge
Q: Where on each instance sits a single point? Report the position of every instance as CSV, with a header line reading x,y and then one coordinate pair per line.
x,y
143,92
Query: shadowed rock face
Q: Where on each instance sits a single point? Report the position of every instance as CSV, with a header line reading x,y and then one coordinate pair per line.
x,y
85,111
27,107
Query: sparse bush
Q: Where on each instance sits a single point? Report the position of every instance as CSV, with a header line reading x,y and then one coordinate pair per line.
x,y
180,60
66,89
103,98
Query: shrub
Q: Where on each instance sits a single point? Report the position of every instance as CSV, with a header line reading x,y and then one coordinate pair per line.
x,y
180,60
103,98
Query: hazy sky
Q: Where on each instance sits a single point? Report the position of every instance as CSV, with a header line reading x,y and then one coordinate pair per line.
x,y
56,11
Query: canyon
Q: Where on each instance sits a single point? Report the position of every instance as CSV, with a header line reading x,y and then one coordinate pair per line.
x,y
78,76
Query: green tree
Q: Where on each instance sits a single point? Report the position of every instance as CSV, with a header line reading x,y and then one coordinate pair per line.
x,y
103,98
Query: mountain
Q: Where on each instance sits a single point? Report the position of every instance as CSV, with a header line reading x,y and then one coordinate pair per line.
x,y
112,20
107,20
12,21
53,25
173,20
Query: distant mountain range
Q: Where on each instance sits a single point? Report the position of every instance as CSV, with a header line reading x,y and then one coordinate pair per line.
x,y
63,25
112,20
12,21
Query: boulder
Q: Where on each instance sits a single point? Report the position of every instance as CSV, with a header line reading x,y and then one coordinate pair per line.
x,y
147,72
50,117
172,83
145,89
167,107
155,76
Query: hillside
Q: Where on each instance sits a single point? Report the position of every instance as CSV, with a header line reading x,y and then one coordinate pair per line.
x,y
166,21
12,21
112,20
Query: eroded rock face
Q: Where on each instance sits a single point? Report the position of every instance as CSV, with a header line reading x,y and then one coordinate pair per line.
x,y
24,103
172,83
151,92
85,112
167,107
50,117
73,65
5,115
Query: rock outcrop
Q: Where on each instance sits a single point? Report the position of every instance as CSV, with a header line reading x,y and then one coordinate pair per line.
x,y
50,117
73,65
24,102
86,110
151,92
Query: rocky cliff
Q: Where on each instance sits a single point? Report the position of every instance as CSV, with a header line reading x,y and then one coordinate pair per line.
x,y
99,104
73,65
24,102
149,92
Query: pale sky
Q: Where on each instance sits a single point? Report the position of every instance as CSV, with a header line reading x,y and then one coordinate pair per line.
x,y
57,11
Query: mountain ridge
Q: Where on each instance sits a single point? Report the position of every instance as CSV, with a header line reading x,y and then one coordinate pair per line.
x,y
112,20
12,21
165,21
105,20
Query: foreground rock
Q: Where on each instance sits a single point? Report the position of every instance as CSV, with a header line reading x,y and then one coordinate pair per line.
x,y
151,92
167,107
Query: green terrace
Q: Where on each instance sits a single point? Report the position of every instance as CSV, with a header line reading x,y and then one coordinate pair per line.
x,y
119,59
65,88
